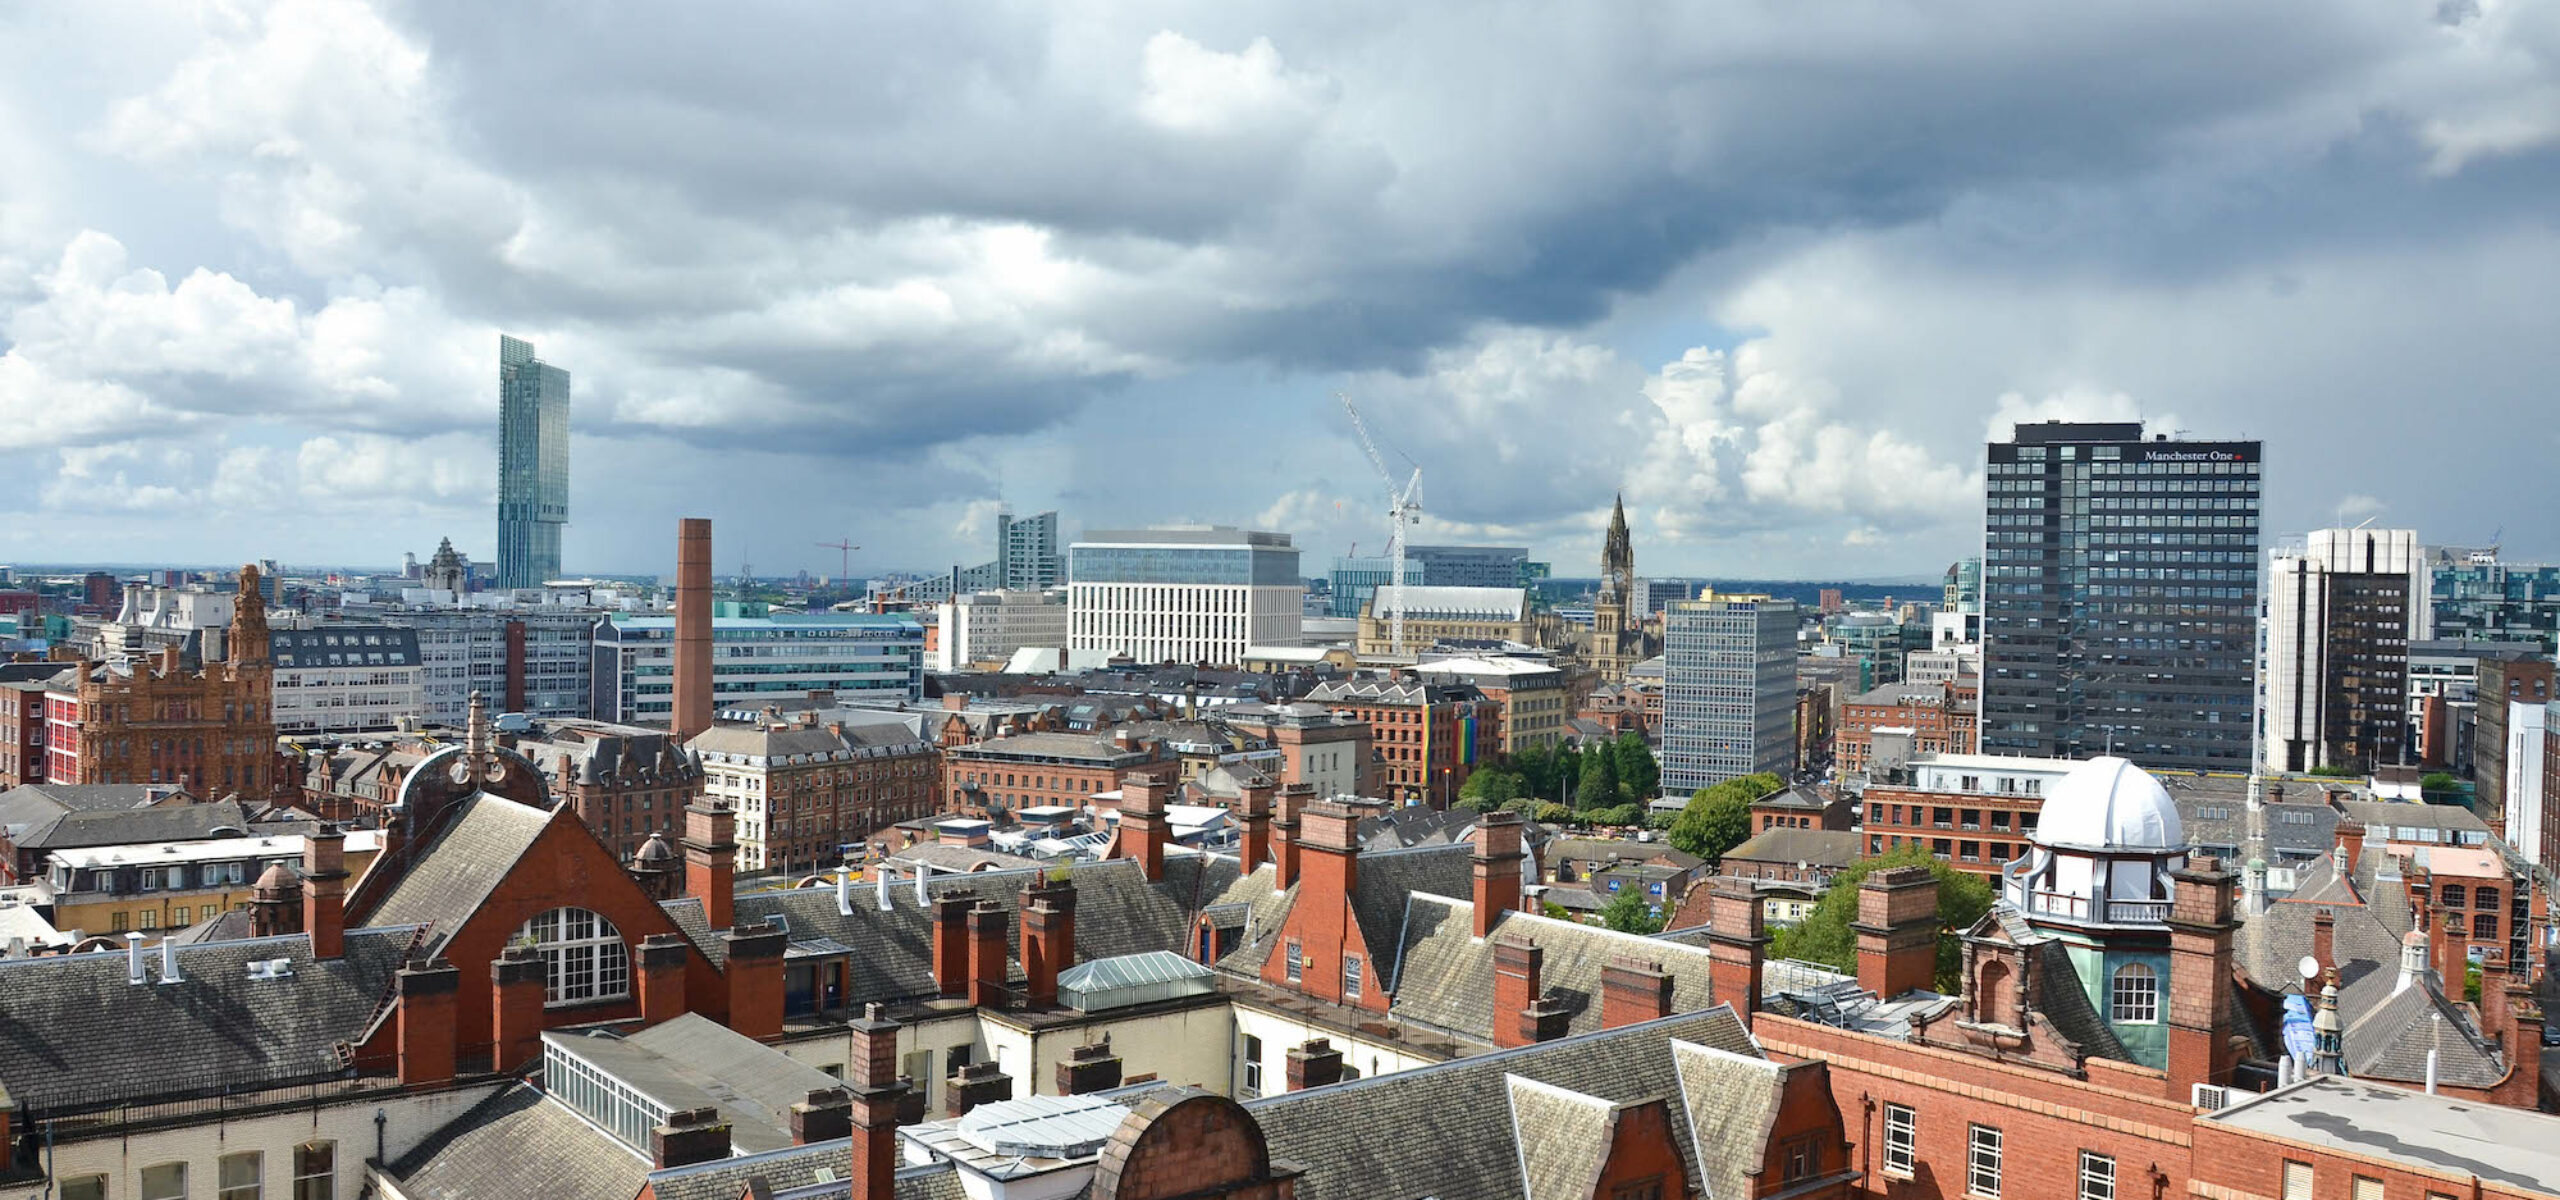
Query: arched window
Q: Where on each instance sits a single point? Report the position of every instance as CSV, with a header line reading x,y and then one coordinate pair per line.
x,y
583,955
2136,998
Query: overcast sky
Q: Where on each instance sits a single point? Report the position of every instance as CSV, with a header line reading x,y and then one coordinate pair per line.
x,y
1773,270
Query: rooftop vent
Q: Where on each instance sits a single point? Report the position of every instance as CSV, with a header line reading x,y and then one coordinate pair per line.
x,y
270,968
1061,1127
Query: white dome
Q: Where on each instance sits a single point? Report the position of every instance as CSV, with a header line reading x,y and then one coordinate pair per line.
x,y
2111,804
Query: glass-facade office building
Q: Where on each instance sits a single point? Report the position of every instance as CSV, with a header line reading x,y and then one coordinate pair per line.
x,y
758,660
1729,690
533,465
2476,598
2120,596
1355,581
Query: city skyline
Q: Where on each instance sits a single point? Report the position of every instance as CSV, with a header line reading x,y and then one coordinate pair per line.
x,y
255,258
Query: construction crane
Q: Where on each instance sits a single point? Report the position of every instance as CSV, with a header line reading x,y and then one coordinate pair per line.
x,y
1404,507
845,547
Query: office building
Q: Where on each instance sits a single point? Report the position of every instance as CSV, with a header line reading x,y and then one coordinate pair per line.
x,y
1961,591
1027,559
1194,594
809,794
1531,693
1729,690
1355,580
2120,596
1654,595
538,661
2508,684
533,465
2476,597
983,627
756,661
1429,736
154,720
346,678
2341,613
1435,615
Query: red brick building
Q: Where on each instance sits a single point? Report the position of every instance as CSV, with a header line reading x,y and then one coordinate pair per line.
x,y
1941,717
1030,770
210,730
1427,738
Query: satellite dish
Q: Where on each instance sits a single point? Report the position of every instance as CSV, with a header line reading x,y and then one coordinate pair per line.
x,y
2310,967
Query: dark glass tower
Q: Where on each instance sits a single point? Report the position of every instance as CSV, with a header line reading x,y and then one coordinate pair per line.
x,y
533,465
2120,596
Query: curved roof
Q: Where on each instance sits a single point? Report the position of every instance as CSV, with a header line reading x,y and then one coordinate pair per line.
x,y
2110,804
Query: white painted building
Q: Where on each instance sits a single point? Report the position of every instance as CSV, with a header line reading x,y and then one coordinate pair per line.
x,y
340,678
2526,725
2330,587
1184,594
990,626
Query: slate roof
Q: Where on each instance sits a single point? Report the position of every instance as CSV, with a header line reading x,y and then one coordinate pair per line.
x,y
1444,975
1563,1138
1446,1130
37,800
797,1167
1386,879
693,1061
1117,912
518,1144
118,826
1733,1100
1831,848
459,867
75,1035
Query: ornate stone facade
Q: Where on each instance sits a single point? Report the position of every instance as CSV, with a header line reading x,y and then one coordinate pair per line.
x,y
210,731
1617,641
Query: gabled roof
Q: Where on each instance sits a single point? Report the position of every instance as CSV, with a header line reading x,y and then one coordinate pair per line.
x,y
118,826
1833,848
470,854
1447,1130
74,1034
692,1061
1444,975
516,1143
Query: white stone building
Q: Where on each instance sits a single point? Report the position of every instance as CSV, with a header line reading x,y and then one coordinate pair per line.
x,y
990,626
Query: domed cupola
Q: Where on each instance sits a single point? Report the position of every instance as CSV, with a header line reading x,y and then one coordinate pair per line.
x,y
2112,805
2105,842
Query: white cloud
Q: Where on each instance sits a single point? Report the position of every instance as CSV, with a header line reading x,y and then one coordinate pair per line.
x,y
1193,89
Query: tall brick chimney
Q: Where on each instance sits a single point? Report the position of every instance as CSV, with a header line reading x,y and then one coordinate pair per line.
x,y
987,930
1294,800
711,860
1497,868
1329,840
693,629
951,941
2201,1020
878,1091
324,889
1523,1013
1253,816
1143,828
1048,939
516,994
1737,944
1897,930
662,997
426,1033
754,970
2324,939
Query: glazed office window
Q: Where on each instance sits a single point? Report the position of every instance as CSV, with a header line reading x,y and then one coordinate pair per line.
x,y
583,954
2135,997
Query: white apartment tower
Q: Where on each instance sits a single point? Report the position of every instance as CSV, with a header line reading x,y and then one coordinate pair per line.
x,y
1183,594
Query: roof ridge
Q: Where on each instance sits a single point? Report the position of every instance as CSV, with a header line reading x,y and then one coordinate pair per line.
x,y
1505,1055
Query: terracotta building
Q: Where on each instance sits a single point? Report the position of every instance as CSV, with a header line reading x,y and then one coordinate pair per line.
x,y
1031,770
805,791
1427,737
1940,718
209,730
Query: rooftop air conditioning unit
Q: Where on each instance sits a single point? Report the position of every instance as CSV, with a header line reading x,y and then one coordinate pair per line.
x,y
2212,1097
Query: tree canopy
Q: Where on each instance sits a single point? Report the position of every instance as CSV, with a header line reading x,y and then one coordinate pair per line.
x,y
1599,786
1639,776
1628,912
1718,818
1824,937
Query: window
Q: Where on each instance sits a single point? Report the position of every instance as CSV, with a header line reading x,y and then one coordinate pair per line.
x,y
2484,927
2453,895
1982,1162
1803,1159
584,954
2297,1181
2136,996
315,1171
85,1187
168,1181
238,1176
2097,1177
1350,976
2366,1188
1901,1140
1252,1065
1295,963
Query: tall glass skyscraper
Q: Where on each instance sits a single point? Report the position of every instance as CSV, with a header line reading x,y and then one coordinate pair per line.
x,y
533,465
1729,690
2120,596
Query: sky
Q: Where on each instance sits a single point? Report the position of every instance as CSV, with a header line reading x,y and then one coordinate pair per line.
x,y
1772,271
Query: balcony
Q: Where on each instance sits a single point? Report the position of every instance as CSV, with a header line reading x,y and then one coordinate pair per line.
x,y
2066,907
2137,912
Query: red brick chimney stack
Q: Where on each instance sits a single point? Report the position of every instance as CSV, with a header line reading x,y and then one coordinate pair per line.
x,y
324,889
516,987
2200,1010
661,978
711,860
693,629
692,1135
2324,940
1897,930
1633,991
1329,840
754,970
1294,800
1523,1014
822,1115
1497,869
1253,815
1737,944
1048,939
986,954
877,1089
426,1032
951,941
1143,828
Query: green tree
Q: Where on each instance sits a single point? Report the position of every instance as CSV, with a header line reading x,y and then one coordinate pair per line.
x,y
1539,771
1599,786
1718,818
1490,788
1627,912
1824,937
1551,813
1639,776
